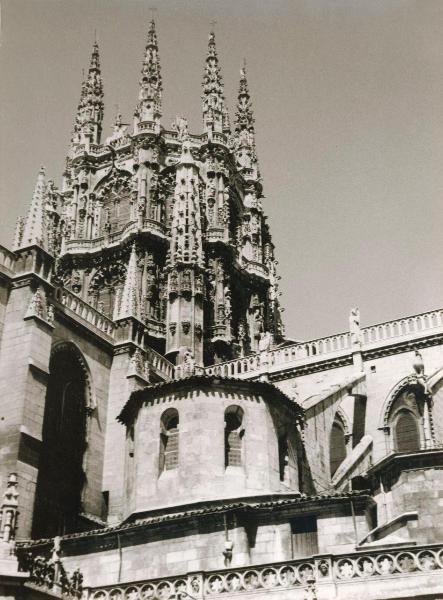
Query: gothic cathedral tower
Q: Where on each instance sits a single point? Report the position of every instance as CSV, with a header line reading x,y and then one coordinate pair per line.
x,y
162,227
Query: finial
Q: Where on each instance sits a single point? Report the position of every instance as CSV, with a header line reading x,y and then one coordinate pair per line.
x,y
95,36
213,23
153,10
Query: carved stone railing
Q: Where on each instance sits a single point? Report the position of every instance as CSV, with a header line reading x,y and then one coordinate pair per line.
x,y
280,357
256,268
160,365
7,259
85,311
334,346
310,573
48,574
408,326
82,245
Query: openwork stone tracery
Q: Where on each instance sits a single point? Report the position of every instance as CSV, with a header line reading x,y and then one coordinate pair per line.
x,y
206,272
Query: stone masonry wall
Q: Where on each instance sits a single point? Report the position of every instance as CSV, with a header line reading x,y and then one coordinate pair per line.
x,y
201,472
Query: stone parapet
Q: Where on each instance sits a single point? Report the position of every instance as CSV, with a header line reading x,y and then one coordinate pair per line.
x,y
325,576
335,348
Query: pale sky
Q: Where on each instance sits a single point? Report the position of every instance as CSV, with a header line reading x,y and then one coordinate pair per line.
x,y
348,100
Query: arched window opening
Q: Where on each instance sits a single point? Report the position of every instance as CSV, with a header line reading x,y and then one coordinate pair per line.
x,y
61,477
169,440
407,436
337,446
405,421
234,433
283,458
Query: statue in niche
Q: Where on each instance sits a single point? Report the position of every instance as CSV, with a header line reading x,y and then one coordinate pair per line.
x,y
173,282
150,285
186,281
241,337
257,312
199,284
228,307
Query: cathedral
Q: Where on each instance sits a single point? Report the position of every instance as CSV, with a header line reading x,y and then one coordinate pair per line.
x,y
160,436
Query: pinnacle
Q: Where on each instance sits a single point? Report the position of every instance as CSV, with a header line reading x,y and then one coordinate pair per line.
x,y
95,58
213,96
90,107
150,92
152,36
129,302
34,230
244,116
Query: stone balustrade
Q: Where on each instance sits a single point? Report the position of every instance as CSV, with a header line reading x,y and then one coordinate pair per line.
x,y
160,364
402,327
331,347
49,575
366,567
85,311
85,245
256,268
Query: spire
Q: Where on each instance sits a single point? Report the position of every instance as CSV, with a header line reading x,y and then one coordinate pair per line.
x,y
149,107
244,119
245,151
34,229
129,305
215,116
89,118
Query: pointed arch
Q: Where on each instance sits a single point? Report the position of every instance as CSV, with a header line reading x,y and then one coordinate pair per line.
x,y
402,417
70,347
410,381
62,470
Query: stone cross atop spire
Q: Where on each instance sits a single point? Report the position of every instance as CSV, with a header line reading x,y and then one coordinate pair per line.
x,y
34,229
89,117
149,107
129,305
215,116
245,150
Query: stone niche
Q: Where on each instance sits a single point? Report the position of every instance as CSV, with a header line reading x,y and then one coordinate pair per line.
x,y
201,439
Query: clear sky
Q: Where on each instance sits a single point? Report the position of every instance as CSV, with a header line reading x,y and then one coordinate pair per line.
x,y
348,99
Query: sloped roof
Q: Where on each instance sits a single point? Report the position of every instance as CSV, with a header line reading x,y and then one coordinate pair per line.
x,y
218,507
270,391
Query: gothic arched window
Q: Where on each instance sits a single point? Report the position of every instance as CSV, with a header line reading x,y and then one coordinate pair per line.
x,y
169,447
337,446
61,477
405,420
234,433
406,432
